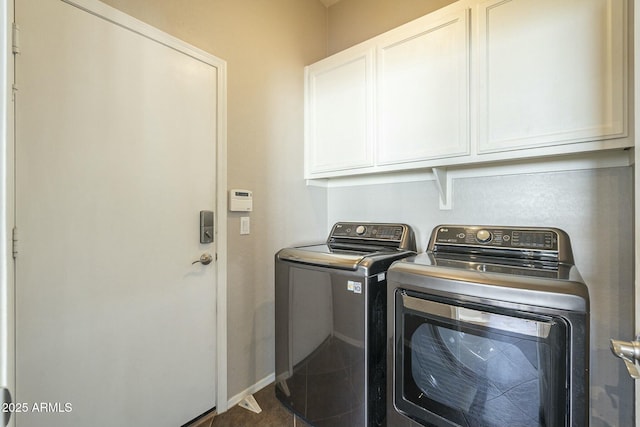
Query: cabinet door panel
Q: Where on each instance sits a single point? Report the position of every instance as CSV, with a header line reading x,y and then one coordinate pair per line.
x,y
423,91
339,114
550,72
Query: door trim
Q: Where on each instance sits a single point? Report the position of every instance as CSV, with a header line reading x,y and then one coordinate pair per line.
x,y
7,182
635,55
7,212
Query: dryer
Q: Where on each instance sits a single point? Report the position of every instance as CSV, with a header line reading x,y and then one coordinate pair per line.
x,y
489,328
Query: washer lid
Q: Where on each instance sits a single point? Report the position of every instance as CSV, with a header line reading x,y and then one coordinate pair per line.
x,y
340,258
351,245
321,255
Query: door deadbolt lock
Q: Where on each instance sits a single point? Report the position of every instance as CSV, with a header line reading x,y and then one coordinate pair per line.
x,y
206,226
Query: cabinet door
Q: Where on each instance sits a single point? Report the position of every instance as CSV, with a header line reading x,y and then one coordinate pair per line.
x,y
339,113
423,89
550,72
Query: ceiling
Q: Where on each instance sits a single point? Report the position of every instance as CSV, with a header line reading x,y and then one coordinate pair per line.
x,y
328,3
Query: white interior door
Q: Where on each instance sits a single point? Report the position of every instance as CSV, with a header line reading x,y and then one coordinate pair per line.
x,y
115,157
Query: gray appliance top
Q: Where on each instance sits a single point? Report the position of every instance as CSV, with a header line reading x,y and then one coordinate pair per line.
x,y
525,265
352,245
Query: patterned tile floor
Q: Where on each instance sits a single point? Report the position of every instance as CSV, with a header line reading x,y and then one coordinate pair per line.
x,y
273,414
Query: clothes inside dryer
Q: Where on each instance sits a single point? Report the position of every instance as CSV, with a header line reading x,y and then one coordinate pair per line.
x,y
495,380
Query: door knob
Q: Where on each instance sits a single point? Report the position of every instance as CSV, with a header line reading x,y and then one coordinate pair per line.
x,y
629,352
205,259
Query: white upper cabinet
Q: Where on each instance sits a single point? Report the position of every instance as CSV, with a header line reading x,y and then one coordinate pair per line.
x,y
423,89
477,81
550,72
339,112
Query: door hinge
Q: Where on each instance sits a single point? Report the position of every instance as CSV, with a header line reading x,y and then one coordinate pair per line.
x,y
14,242
15,39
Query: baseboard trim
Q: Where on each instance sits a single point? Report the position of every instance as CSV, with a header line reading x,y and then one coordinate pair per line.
x,y
233,401
202,419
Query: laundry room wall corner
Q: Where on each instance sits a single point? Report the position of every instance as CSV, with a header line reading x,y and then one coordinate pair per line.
x,y
574,201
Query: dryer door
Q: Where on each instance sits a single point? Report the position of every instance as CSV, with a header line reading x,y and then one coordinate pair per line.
x,y
458,366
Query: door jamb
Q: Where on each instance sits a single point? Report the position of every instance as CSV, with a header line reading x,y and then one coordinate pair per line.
x,y
7,183
7,212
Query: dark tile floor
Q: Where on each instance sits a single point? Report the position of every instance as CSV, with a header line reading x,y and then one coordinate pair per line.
x,y
273,414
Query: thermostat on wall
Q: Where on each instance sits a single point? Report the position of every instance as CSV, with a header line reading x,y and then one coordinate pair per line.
x,y
240,200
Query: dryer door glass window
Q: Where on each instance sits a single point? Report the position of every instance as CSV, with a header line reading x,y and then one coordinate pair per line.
x,y
463,366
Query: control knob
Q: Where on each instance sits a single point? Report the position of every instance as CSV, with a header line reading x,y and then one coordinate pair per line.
x,y
484,236
360,230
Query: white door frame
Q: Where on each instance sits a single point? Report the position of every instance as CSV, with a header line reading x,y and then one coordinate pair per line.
x,y
7,211
7,185
636,120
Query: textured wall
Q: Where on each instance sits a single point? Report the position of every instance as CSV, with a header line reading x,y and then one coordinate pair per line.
x,y
596,209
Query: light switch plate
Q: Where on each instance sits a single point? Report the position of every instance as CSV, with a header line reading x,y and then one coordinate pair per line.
x,y
245,225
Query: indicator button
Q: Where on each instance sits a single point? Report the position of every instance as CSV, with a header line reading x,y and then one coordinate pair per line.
x,y
484,236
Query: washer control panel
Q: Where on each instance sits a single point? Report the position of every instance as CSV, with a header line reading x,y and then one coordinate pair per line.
x,y
372,236
384,232
536,239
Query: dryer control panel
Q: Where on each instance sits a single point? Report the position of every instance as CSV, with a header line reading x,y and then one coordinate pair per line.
x,y
525,242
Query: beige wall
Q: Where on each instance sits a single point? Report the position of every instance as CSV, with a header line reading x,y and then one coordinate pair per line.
x,y
266,44
353,21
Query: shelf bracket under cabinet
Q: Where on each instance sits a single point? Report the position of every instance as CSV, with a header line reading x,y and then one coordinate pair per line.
x,y
444,182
